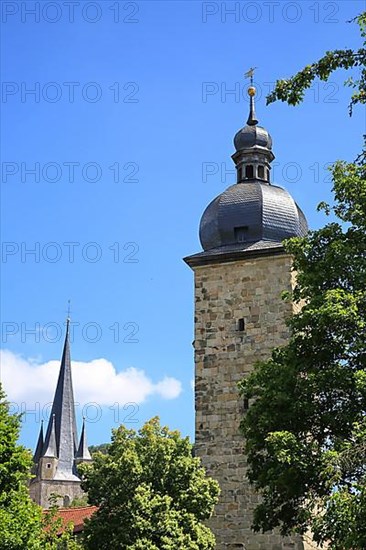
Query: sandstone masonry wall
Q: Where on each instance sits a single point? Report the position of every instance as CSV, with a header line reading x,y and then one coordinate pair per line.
x,y
247,289
41,491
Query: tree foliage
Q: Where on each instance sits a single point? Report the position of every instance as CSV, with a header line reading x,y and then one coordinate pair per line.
x,y
102,448
306,427
292,90
151,492
55,535
79,502
20,519
22,523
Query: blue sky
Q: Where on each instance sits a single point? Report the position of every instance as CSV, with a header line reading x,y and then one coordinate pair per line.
x,y
129,131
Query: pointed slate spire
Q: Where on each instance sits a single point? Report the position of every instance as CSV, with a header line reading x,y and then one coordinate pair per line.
x,y
40,444
252,119
83,451
63,412
51,450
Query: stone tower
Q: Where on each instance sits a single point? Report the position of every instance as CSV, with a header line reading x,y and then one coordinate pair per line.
x,y
239,318
57,455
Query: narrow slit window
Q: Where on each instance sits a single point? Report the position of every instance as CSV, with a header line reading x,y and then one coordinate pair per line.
x,y
249,172
240,173
241,325
245,403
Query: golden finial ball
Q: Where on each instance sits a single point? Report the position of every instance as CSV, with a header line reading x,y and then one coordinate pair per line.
x,y
251,91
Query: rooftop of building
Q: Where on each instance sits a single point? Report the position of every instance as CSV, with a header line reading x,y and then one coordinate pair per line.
x,y
76,516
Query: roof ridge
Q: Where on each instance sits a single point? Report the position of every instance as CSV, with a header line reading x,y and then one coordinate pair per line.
x,y
75,508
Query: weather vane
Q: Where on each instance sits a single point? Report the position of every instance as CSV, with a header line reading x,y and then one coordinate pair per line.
x,y
250,74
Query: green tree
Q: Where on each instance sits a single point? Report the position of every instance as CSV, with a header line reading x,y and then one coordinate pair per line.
x,y
102,448
20,519
55,534
292,90
22,523
151,492
79,502
306,427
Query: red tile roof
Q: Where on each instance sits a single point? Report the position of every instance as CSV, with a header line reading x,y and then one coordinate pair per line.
x,y
76,516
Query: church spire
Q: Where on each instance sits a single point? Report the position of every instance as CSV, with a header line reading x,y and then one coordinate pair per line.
x,y
57,455
83,451
51,450
40,444
62,424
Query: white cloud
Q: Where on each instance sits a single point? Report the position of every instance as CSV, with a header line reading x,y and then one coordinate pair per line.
x,y
169,388
25,380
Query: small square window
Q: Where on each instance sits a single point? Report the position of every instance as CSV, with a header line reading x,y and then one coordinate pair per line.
x,y
241,234
48,465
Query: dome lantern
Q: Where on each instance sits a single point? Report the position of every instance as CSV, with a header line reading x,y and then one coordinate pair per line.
x,y
253,146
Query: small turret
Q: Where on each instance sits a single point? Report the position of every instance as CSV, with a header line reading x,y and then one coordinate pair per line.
x,y
49,460
39,447
83,454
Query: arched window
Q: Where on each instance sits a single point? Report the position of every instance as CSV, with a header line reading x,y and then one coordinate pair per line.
x,y
267,173
66,501
261,172
249,172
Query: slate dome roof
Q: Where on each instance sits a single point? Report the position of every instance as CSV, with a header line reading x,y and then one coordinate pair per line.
x,y
250,136
251,212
